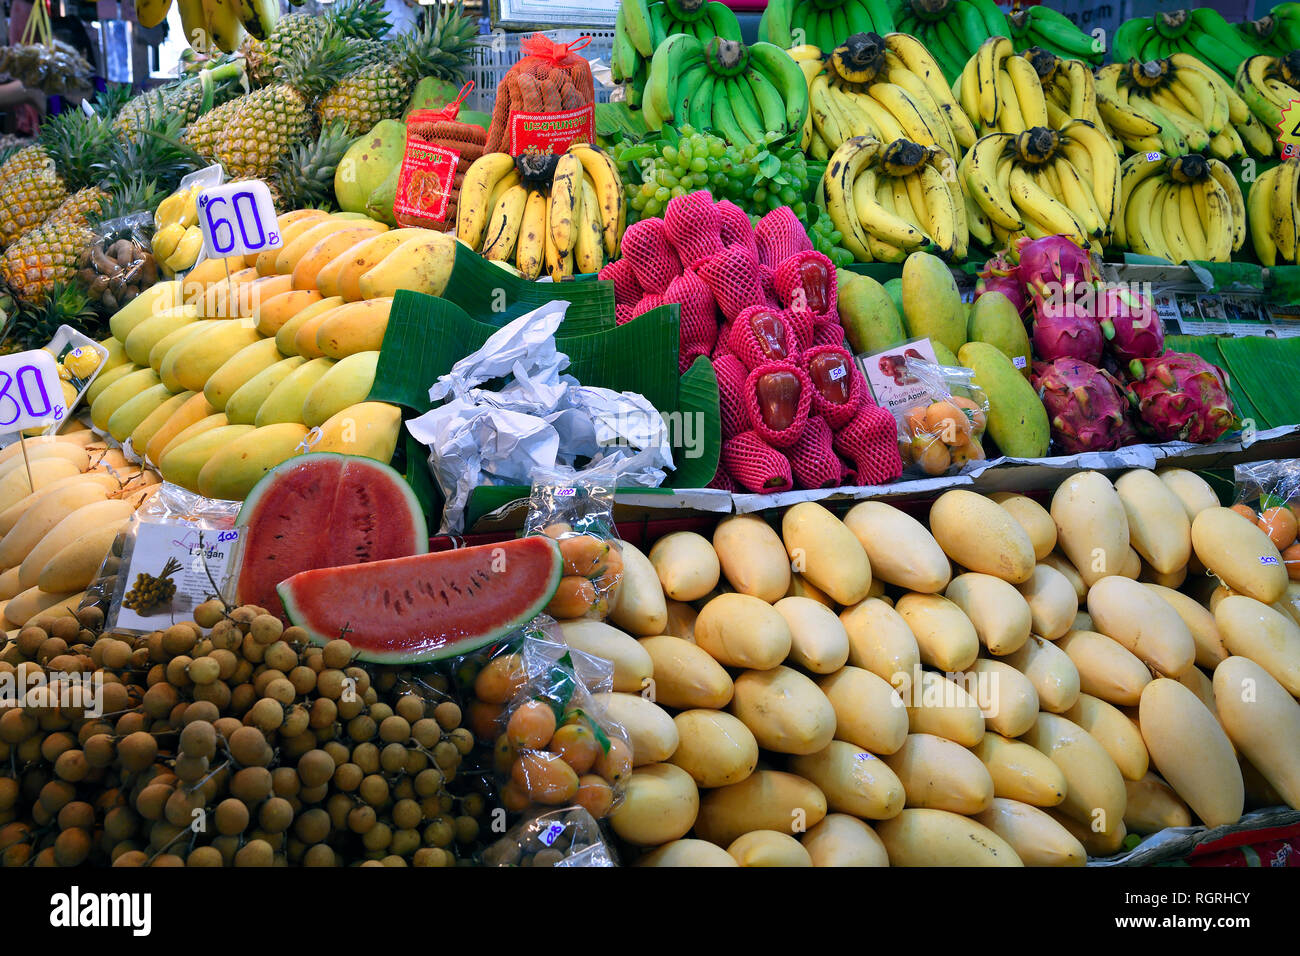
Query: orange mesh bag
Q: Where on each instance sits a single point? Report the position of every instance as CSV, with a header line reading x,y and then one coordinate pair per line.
x,y
545,101
439,151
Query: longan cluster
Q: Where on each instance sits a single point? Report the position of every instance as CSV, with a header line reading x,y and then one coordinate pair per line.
x,y
230,740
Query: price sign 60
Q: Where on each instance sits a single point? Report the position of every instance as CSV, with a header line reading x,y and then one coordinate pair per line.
x,y
30,393
236,219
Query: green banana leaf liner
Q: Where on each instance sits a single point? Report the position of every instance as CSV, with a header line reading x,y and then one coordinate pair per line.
x,y
1257,365
1207,347
1232,276
1282,284
494,296
426,336
882,272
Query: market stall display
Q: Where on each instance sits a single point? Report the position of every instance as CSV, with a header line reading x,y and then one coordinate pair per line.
x,y
892,280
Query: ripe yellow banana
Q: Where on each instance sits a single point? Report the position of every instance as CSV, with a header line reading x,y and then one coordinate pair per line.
x,y
1010,119
504,223
1222,175
566,194
1030,101
1190,221
842,173
530,250
1076,194
1260,202
882,222
1043,210
941,210
480,180
588,249
1286,218
603,173
983,181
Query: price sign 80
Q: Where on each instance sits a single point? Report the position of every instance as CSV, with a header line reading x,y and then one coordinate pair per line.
x,y
30,393
236,219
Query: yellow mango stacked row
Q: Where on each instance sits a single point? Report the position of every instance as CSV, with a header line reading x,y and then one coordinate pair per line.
x,y
59,522
1008,684
217,378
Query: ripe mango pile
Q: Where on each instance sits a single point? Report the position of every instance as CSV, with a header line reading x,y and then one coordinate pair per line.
x,y
54,539
1003,685
217,378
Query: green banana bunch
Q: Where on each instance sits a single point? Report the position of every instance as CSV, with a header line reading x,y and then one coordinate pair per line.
x,y
952,30
1053,31
1201,32
1286,17
741,93
1265,35
822,23
1268,85
641,27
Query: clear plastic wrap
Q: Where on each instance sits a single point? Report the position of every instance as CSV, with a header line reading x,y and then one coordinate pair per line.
x,y
119,262
182,549
558,748
1268,492
577,510
569,837
943,431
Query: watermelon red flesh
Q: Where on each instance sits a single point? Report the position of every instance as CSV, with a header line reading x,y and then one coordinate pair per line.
x,y
324,510
429,606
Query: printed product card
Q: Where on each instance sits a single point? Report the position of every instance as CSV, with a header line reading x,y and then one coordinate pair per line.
x,y
894,387
425,183
169,569
551,132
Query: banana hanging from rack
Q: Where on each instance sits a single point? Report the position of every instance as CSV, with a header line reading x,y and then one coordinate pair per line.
x,y
150,13
224,30
258,16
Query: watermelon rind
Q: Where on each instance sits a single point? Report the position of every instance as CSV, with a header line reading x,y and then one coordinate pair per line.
x,y
351,468
325,620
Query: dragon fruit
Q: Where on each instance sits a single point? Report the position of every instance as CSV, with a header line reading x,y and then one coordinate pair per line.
x,y
1052,268
1181,397
1131,325
1085,405
999,275
1067,333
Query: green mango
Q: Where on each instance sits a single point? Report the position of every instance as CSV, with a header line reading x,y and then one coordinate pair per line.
x,y
942,354
995,321
871,323
380,203
895,289
432,93
1017,421
367,163
932,306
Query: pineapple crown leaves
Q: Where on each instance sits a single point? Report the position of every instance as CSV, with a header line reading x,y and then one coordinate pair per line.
x,y
315,67
34,323
156,153
78,143
440,46
305,174
109,102
362,19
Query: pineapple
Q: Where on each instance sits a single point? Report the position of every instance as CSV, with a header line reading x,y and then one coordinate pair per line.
x,y
22,160
305,178
356,19
440,47
75,142
188,98
249,135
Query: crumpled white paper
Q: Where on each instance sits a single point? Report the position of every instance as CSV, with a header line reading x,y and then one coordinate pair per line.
x,y
540,419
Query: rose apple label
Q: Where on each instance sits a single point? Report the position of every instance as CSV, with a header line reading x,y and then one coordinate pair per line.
x,y
895,388
551,132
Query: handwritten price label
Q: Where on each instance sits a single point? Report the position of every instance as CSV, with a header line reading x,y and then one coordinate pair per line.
x,y
238,218
30,393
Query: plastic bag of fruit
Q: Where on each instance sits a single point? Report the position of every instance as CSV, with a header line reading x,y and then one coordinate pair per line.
x,y
119,262
546,101
558,747
577,510
1268,493
944,430
569,837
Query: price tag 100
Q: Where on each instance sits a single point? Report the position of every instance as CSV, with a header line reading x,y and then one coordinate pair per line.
x,y
30,392
238,218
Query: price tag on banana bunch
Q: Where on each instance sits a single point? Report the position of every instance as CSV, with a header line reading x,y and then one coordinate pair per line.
x,y
1288,137
238,218
30,391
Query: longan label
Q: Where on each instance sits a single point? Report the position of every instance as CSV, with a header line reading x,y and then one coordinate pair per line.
x,y
551,132
425,183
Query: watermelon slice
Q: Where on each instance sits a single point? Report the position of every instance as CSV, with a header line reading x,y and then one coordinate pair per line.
x,y
430,606
323,511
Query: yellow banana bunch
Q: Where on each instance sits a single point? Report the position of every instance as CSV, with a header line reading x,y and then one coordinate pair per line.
x,y
1273,214
1265,85
1188,208
1177,106
890,200
1070,89
886,88
1042,182
1002,90
573,224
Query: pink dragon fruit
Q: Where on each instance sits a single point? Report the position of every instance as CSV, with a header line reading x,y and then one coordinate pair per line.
x,y
1181,397
1085,405
1067,333
1131,325
1052,268
999,275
